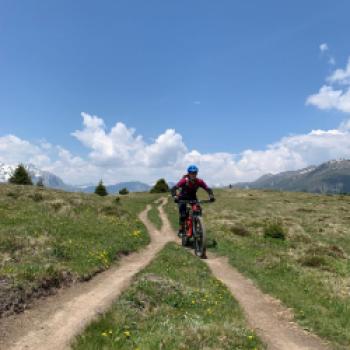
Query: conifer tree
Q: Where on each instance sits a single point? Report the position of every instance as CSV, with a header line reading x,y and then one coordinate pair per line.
x,y
160,187
21,176
101,189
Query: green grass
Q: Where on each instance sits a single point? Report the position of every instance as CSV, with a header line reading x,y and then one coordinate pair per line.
x,y
153,216
175,303
135,202
309,270
50,237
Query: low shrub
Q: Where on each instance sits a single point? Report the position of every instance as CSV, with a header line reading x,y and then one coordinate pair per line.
x,y
124,191
313,261
239,230
274,230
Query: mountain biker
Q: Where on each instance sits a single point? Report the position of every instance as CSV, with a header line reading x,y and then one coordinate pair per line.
x,y
186,189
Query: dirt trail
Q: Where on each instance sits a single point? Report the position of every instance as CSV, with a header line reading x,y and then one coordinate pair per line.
x,y
55,321
272,321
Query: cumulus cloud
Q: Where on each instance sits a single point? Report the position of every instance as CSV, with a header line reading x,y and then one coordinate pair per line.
x,y
336,93
330,98
122,147
341,76
14,150
114,147
120,154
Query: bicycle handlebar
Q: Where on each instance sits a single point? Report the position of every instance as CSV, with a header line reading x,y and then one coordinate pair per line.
x,y
194,201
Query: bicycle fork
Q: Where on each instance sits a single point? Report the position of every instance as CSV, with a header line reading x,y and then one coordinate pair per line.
x,y
189,224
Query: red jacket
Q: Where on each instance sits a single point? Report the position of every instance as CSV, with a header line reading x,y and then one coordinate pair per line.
x,y
188,189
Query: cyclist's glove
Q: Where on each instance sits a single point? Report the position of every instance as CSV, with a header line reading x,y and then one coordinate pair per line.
x,y
176,199
212,198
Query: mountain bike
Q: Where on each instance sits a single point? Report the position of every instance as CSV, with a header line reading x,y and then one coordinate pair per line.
x,y
194,227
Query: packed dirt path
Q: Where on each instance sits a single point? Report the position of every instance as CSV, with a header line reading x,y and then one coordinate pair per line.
x,y
53,323
272,321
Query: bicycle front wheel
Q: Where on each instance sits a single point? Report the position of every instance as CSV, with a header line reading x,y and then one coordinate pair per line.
x,y
200,238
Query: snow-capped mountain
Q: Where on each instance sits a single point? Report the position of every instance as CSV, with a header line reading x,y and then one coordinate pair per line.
x,y
53,181
49,179
330,177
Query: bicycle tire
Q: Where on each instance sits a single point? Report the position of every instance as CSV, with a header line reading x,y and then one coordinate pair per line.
x,y
200,238
184,238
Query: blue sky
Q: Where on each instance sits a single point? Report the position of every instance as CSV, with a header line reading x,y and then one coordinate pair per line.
x,y
227,76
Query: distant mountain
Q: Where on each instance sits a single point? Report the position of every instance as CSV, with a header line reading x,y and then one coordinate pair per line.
x,y
329,177
132,186
53,181
49,179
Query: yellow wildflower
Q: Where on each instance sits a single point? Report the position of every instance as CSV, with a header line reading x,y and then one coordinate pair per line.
x,y
136,233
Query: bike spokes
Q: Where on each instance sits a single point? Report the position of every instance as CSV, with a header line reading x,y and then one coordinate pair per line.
x,y
199,238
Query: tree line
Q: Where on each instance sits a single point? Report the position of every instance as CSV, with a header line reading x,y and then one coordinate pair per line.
x,y
22,177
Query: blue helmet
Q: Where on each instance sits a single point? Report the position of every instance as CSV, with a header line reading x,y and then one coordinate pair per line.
x,y
192,169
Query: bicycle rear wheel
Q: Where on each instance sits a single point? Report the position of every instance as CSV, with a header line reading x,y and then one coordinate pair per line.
x,y
184,238
199,237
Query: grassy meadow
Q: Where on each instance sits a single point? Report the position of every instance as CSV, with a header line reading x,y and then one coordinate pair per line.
x,y
153,216
49,238
175,303
295,246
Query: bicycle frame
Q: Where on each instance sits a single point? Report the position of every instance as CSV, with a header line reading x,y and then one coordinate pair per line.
x,y
193,210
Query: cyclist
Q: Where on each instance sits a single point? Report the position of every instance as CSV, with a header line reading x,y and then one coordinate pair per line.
x,y
186,189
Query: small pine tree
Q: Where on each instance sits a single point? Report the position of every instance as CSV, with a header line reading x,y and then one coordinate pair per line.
x,y
101,189
160,187
124,191
40,182
21,176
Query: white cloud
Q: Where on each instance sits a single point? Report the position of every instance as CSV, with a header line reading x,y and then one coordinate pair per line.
x,y
122,147
328,98
331,97
115,146
167,149
14,150
324,47
341,76
120,154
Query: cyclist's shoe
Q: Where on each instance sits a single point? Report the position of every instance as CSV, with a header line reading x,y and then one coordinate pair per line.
x,y
180,233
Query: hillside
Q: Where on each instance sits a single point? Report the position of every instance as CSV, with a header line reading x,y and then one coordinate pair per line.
x,y
329,177
50,238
